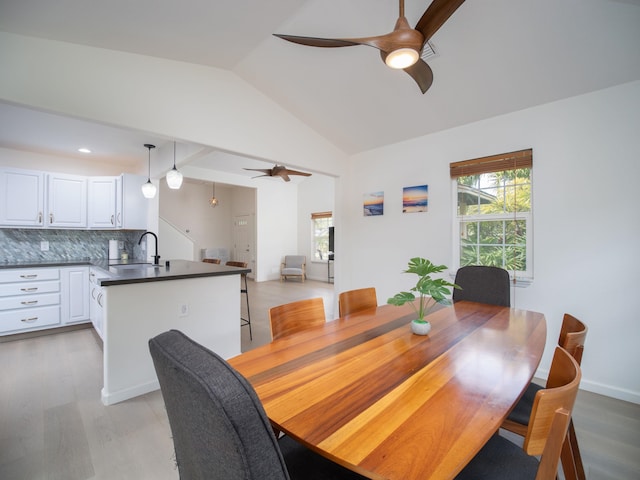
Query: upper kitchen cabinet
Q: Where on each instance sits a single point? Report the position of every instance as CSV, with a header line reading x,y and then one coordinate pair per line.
x,y
31,198
117,202
102,202
21,198
67,201
131,207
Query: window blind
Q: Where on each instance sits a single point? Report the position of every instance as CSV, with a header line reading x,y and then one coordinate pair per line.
x,y
319,215
493,163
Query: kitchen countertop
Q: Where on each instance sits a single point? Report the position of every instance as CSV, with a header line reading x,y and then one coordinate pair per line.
x,y
136,271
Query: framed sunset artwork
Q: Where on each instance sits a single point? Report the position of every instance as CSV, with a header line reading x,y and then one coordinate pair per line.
x,y
373,204
415,199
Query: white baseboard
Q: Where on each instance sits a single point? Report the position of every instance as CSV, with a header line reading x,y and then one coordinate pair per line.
x,y
122,395
601,389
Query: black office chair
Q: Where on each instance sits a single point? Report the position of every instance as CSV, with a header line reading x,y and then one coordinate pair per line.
x,y
483,284
220,429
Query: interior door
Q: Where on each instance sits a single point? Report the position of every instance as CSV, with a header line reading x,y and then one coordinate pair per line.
x,y
243,243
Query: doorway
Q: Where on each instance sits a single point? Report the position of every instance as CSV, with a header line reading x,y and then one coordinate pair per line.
x,y
243,241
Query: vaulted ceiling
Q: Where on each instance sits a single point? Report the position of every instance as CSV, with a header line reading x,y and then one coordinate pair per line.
x,y
492,57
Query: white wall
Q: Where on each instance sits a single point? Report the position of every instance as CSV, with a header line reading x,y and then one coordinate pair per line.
x,y
51,163
586,220
189,211
315,194
188,102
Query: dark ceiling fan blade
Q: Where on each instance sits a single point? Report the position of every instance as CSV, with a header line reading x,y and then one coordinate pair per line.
x,y
295,172
266,171
422,74
419,71
436,15
317,42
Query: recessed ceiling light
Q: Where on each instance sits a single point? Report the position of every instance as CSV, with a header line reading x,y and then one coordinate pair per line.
x,y
84,150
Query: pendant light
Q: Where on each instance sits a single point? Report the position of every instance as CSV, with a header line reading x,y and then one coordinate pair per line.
x,y
149,189
214,201
174,177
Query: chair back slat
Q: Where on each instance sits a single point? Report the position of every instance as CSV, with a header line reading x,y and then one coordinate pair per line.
x,y
573,334
296,316
355,300
559,394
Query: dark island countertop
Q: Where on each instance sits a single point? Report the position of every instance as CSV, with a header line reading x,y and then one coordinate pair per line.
x,y
171,270
117,272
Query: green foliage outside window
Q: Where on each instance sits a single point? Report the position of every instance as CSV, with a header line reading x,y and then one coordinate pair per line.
x,y
321,237
492,231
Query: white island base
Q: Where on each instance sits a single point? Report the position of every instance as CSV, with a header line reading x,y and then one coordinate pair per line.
x,y
207,309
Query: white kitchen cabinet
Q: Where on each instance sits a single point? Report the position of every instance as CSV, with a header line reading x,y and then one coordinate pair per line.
x,y
75,294
96,301
21,198
132,206
29,299
102,202
66,201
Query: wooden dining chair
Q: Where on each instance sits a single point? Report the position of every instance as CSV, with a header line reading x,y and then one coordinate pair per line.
x,y
211,260
244,321
483,284
547,428
218,425
573,334
296,316
355,300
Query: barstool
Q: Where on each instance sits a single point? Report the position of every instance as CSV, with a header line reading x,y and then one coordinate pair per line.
x,y
245,321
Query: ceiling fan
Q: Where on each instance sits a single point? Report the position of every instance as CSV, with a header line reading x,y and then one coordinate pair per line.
x,y
401,48
278,171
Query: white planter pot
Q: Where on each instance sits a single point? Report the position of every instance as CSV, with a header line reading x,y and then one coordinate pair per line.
x,y
420,328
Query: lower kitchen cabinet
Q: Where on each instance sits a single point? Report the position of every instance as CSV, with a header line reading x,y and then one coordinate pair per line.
x,y
75,295
42,298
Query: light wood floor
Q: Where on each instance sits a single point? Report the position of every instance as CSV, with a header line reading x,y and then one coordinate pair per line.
x,y
53,425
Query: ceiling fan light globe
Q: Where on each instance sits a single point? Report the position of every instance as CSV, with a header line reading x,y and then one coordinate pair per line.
x,y
174,179
402,58
149,189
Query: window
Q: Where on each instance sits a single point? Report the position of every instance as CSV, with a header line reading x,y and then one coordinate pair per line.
x,y
320,223
493,215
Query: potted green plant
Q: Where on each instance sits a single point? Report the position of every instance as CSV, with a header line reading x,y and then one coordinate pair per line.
x,y
430,291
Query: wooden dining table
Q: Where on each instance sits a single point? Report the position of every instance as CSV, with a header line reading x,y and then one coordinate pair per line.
x,y
368,394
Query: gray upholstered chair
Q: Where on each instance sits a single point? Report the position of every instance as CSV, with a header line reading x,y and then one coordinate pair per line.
x,y
219,427
293,266
483,284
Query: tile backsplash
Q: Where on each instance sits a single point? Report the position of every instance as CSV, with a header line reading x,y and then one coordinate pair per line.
x,y
22,244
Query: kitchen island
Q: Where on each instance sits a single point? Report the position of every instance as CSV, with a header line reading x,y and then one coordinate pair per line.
x,y
140,301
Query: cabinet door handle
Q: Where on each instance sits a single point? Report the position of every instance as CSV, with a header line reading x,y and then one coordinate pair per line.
x,y
29,320
119,217
51,218
112,219
39,217
30,302
30,289
100,300
30,275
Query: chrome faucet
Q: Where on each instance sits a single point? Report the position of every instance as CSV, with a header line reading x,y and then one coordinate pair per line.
x,y
156,257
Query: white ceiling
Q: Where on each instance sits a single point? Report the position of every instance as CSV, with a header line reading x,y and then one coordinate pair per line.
x,y
493,57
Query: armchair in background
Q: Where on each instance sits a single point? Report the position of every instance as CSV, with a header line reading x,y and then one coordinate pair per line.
x,y
293,266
